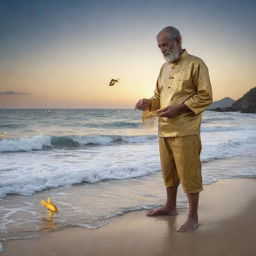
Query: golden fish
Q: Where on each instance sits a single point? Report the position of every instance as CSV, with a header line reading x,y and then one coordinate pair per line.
x,y
113,81
50,206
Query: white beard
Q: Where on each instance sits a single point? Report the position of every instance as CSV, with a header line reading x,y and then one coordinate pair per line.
x,y
172,55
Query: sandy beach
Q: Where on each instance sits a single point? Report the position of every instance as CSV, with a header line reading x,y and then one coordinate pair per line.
x,y
227,216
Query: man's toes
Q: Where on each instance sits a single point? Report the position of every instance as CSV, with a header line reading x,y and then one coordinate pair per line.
x,y
187,227
150,213
161,211
181,229
154,213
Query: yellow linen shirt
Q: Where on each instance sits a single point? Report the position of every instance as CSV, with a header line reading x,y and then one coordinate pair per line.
x,y
187,82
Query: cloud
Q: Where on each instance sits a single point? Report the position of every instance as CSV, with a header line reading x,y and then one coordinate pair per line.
x,y
13,93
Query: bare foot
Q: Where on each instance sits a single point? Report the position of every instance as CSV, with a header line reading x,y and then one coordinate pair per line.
x,y
189,225
164,210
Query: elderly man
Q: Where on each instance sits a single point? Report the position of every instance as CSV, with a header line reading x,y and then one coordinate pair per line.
x,y
182,92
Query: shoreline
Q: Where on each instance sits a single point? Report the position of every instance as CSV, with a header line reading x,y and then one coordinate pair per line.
x,y
95,205
226,213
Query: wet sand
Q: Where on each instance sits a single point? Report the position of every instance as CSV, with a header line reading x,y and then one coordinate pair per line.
x,y
227,227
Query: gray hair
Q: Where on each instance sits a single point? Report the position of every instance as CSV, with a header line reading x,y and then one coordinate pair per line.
x,y
173,32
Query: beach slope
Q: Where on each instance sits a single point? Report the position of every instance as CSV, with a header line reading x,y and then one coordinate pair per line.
x,y
227,227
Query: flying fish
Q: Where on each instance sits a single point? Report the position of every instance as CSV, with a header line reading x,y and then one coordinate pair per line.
x,y
113,82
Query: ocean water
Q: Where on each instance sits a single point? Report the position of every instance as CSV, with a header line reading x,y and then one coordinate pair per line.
x,y
96,164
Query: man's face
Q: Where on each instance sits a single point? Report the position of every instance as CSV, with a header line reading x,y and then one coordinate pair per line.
x,y
169,48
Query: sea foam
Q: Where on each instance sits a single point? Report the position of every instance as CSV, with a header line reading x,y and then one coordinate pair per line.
x,y
42,142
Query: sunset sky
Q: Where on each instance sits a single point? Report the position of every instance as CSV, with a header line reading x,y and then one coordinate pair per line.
x,y
63,53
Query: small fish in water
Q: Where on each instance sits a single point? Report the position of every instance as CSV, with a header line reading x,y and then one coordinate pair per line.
x,y
50,206
113,81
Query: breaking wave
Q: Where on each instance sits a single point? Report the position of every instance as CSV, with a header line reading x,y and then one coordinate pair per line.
x,y
46,142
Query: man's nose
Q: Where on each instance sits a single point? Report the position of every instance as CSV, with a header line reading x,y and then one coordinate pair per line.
x,y
162,49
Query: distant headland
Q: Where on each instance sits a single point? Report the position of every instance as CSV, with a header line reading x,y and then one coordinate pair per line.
x,y
246,104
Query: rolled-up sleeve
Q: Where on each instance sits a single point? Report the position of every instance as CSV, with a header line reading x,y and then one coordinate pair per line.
x,y
202,97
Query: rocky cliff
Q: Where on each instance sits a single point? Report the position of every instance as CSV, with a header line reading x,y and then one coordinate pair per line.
x,y
247,104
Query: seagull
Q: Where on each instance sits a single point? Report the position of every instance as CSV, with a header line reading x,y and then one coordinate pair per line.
x,y
113,81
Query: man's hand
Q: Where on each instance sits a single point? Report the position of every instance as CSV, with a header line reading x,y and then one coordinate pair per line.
x,y
143,104
172,111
